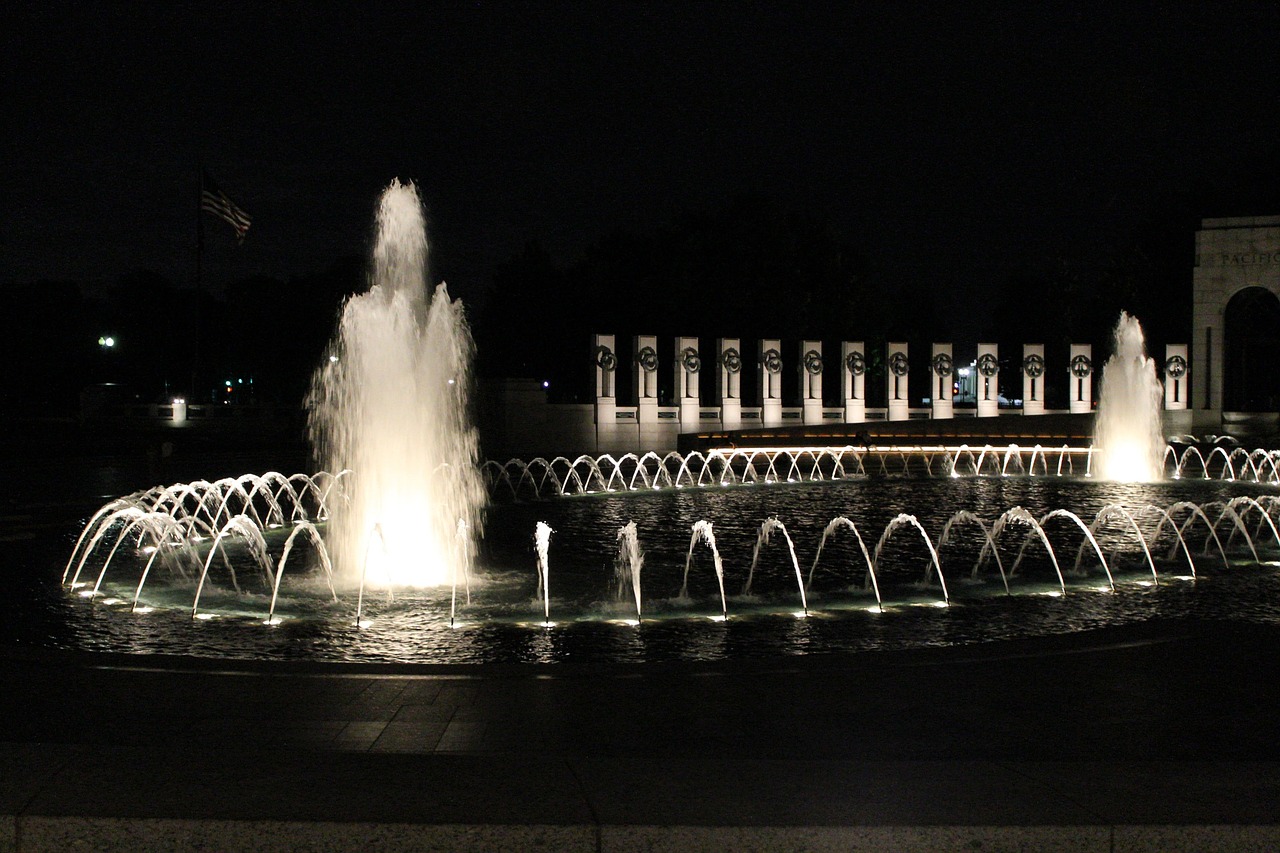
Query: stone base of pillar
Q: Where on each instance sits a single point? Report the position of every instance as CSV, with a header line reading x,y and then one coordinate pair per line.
x,y
731,414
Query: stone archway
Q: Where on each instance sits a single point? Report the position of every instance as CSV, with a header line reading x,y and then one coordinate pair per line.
x,y
1251,352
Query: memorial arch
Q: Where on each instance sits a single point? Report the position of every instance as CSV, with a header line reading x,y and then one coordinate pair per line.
x,y
1235,339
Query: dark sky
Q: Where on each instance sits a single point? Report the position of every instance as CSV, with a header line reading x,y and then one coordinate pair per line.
x,y
950,141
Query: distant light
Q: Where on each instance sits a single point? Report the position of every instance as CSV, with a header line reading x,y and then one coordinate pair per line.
x,y
106,342
450,381
241,381
228,383
332,359
964,371
546,383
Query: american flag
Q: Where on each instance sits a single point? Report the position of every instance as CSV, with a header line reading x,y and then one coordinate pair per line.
x,y
215,201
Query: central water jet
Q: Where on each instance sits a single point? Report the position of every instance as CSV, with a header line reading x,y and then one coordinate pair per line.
x,y
1127,431
390,404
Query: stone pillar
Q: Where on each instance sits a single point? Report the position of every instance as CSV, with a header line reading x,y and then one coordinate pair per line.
x,y
941,375
854,360
987,384
896,382
1080,375
646,367
729,382
610,437
606,368
770,352
1033,379
688,367
811,381
1176,384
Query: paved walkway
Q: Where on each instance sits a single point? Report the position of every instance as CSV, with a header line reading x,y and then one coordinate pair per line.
x,y
1150,737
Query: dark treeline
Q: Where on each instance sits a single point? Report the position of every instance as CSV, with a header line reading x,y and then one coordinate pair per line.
x,y
169,341
749,269
756,270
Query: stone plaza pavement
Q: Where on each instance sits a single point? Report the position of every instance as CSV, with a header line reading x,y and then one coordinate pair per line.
x,y
1155,737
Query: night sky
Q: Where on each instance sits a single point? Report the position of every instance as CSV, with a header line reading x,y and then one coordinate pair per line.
x,y
951,143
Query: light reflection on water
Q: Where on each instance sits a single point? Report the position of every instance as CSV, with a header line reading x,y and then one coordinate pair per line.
x,y
503,620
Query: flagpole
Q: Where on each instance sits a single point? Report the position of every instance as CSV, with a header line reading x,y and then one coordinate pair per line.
x,y
199,225
199,293
214,201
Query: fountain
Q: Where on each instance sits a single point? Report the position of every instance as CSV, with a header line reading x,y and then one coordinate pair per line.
x,y
390,405
984,534
1127,431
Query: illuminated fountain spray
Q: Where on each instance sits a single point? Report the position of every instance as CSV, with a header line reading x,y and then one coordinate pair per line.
x,y
542,544
1127,432
391,404
629,562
